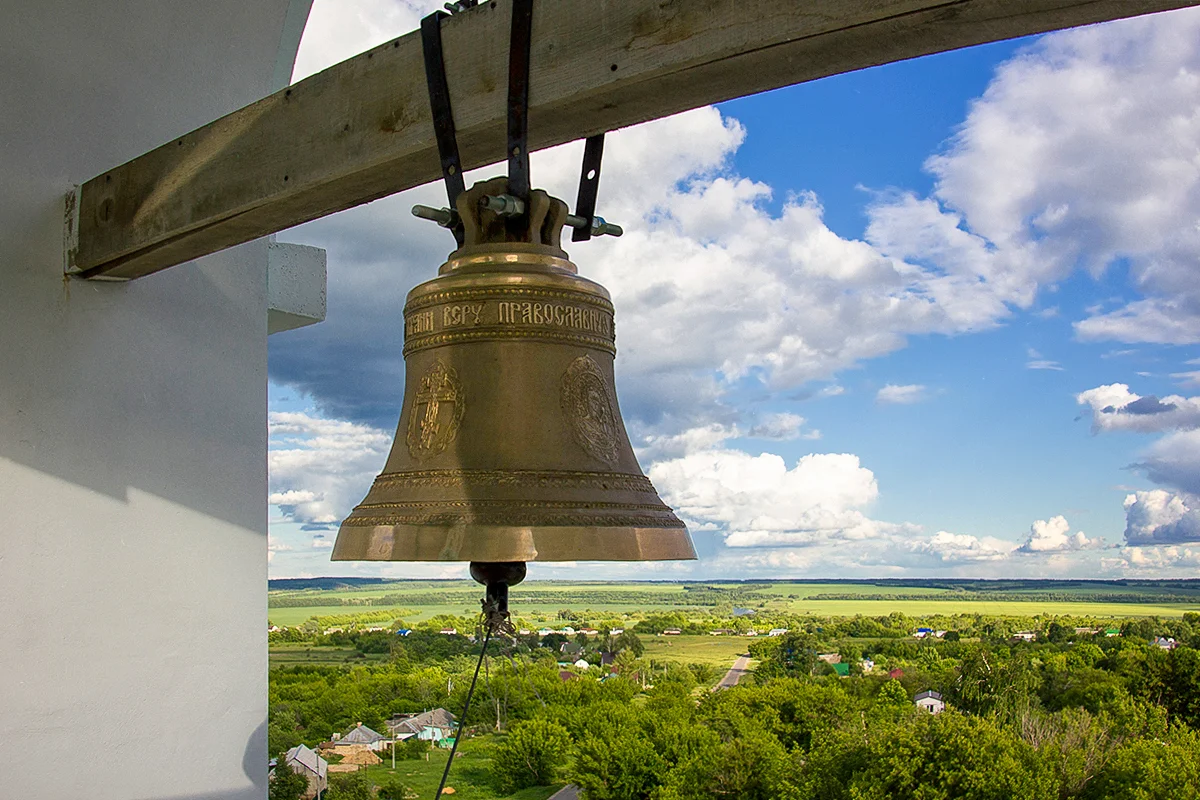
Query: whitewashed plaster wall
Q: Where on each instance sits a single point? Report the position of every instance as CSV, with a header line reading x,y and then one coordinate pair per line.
x,y
132,420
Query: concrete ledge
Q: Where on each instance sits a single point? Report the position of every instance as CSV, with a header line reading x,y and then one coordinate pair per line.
x,y
295,286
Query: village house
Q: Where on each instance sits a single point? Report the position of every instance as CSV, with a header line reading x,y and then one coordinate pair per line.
x,y
867,665
930,701
570,649
449,631
1165,643
362,735
830,658
582,664
671,632
435,726
895,673
304,761
1024,636
841,670
777,631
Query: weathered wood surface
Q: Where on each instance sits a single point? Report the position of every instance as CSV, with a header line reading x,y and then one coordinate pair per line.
x,y
361,129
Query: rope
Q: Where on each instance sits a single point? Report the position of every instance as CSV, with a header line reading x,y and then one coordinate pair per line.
x,y
462,725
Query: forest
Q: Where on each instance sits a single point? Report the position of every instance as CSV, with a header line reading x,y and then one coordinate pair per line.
x,y
1088,709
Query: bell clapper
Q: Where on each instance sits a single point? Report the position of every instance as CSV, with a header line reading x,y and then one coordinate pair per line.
x,y
497,576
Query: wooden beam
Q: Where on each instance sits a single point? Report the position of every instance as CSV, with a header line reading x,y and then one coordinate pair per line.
x,y
361,129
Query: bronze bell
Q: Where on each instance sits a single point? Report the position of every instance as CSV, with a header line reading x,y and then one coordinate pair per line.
x,y
510,446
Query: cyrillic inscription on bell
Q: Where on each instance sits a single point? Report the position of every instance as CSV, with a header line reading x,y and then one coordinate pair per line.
x,y
513,445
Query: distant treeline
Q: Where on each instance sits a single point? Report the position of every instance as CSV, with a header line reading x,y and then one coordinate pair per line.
x,y
1018,597
694,597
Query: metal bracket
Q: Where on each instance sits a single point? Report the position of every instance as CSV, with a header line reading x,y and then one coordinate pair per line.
x,y
589,186
520,41
443,116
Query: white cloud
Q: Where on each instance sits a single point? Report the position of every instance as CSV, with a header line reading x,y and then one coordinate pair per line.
x,y
337,30
319,542
1161,517
319,468
782,427
907,394
1036,361
955,548
1112,175
1188,378
1054,535
1155,560
1174,460
1115,408
758,501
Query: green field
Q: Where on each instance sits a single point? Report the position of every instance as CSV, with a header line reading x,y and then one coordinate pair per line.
x,y
536,601
720,651
290,655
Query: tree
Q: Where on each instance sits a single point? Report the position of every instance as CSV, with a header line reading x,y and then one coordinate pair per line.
x,y
530,755
349,786
752,767
892,694
628,640
286,784
392,788
1151,769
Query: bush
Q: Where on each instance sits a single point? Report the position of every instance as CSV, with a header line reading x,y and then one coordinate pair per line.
x,y
530,755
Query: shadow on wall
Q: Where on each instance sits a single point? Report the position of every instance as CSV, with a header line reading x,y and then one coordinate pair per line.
x,y
156,385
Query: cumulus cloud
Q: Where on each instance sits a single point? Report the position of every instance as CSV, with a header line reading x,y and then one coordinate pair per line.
x,y
759,501
1115,408
1054,536
907,394
1156,560
1113,175
1174,460
320,468
1161,517
958,548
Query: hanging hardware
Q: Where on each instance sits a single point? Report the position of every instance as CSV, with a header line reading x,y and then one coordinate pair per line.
x,y
589,186
443,118
519,43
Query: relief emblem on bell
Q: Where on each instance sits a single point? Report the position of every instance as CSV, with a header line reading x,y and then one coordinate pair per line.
x,y
436,412
589,408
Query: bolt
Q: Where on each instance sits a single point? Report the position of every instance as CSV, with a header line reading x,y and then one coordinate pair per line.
x,y
442,216
503,205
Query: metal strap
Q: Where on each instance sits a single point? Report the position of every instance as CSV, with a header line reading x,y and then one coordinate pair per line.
x,y
439,104
519,43
589,186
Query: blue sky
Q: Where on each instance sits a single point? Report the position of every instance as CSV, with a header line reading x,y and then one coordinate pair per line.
x,y
933,318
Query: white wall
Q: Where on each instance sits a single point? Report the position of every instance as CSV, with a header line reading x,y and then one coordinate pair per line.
x,y
132,420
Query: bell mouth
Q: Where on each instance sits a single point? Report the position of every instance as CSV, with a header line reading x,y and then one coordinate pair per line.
x,y
512,543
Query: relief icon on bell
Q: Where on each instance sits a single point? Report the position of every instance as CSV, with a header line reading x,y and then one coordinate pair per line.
x,y
437,412
514,449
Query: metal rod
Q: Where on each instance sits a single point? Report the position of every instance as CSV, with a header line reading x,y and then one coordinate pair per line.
x,y
487,635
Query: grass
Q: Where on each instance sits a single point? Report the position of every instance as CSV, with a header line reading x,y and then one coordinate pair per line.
x,y
1017,608
470,775
290,655
720,651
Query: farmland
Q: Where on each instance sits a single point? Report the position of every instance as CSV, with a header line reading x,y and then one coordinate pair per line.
x,y
538,601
